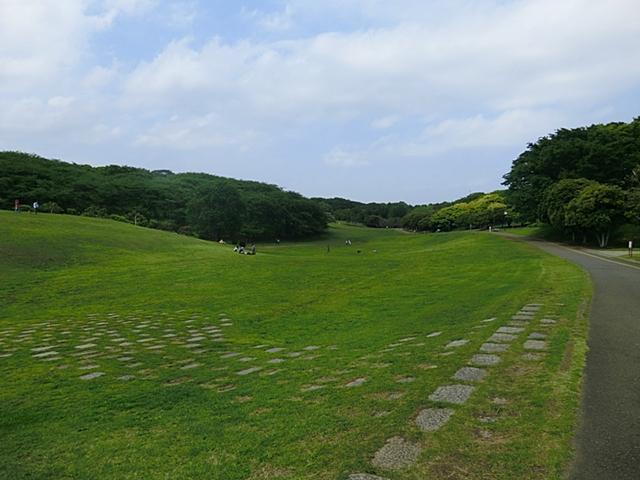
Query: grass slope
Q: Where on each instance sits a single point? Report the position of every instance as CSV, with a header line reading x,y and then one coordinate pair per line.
x,y
138,295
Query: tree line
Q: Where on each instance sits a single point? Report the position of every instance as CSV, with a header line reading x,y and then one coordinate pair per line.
x,y
585,182
208,206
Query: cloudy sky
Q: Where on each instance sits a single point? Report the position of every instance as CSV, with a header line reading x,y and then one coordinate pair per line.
x,y
374,100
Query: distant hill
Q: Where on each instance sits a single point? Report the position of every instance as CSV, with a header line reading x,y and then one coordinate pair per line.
x,y
209,206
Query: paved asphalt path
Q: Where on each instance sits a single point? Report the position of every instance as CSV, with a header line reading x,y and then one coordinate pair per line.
x,y
608,439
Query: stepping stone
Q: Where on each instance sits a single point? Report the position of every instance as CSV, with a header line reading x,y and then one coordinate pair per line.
x,y
248,371
294,354
365,476
488,320
91,376
431,419
493,347
518,323
537,336
88,367
406,380
535,345
456,394
356,383
407,339
532,357
456,343
312,388
230,355
547,321
396,454
126,377
85,346
261,346
522,317
470,374
274,350
276,360
50,353
434,334
246,359
483,360
502,337
42,349
190,366
510,330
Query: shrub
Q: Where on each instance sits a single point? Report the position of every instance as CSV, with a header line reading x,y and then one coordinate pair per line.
x,y
51,207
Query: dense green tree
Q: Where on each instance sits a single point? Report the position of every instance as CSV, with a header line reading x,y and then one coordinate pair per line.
x,y
597,209
603,153
557,197
217,212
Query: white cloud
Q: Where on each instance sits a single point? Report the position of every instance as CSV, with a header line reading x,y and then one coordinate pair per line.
x,y
385,122
342,158
195,132
428,78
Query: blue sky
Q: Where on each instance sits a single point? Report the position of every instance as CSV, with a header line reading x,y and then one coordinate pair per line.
x,y
372,100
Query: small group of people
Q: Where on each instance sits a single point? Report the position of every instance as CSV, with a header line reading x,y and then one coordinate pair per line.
x,y
245,251
34,207
347,243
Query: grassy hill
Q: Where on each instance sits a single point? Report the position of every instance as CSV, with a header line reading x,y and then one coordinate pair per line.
x,y
186,335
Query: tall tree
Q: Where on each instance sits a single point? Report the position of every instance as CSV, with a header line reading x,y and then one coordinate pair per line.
x,y
597,209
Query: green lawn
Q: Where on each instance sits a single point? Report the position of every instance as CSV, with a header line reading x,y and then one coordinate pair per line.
x,y
141,299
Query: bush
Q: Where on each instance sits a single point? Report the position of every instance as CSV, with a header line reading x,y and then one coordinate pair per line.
x,y
25,208
93,211
51,207
72,211
118,218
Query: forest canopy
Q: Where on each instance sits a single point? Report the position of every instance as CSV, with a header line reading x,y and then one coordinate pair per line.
x,y
209,206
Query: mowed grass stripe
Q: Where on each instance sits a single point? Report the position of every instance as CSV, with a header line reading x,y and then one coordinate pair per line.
x,y
206,421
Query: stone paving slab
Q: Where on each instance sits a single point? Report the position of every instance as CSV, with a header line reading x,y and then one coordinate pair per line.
x,y
432,419
493,347
456,394
248,371
535,345
356,383
511,330
502,338
470,374
365,476
482,360
457,343
518,323
396,454
537,336
91,376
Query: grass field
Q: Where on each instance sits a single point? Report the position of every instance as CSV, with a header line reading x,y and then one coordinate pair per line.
x,y
186,334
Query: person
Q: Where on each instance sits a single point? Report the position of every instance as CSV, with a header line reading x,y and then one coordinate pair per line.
x,y
253,249
16,206
36,205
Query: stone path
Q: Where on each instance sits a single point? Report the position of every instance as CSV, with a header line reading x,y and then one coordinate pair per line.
x,y
398,453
